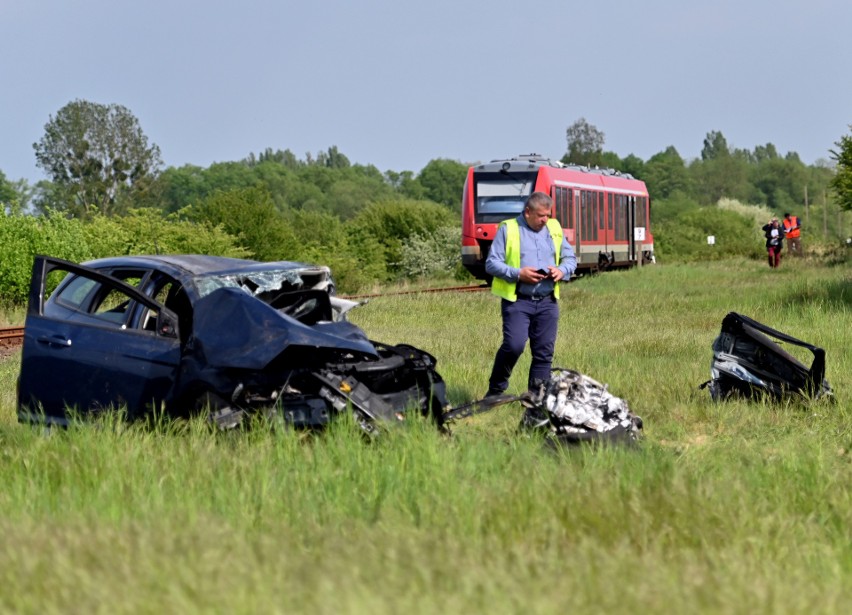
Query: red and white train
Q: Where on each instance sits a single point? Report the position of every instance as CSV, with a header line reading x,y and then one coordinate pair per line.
x,y
604,214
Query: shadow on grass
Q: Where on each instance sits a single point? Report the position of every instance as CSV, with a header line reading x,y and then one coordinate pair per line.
x,y
836,294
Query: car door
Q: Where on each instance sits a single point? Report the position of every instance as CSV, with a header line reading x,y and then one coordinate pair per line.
x,y
80,350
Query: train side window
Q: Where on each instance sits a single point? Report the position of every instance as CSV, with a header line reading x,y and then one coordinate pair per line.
x,y
559,203
571,209
641,204
588,215
601,211
623,212
609,211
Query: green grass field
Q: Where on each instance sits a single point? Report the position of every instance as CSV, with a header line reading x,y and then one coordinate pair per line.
x,y
736,507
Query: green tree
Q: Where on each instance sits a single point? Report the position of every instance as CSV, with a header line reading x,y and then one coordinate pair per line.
x,y
250,215
585,144
332,159
666,174
97,156
406,184
842,182
8,194
442,181
182,186
720,172
781,181
715,146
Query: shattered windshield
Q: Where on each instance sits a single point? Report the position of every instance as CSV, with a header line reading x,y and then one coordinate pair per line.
x,y
258,283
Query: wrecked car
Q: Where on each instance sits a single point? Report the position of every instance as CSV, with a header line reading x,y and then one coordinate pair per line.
x,y
229,337
747,362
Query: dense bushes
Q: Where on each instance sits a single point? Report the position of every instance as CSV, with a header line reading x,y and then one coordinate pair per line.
x,y
140,232
386,240
685,236
681,228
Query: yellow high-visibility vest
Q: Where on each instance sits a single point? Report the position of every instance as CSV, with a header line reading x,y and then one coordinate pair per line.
x,y
509,290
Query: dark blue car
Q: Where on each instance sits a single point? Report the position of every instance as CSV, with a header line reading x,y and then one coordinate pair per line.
x,y
222,336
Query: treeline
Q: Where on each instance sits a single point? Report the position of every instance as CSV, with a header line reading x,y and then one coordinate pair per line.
x,y
107,195
728,193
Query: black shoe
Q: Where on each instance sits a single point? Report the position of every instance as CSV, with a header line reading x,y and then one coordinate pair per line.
x,y
493,393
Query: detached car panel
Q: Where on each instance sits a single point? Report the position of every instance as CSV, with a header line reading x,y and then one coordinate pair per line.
x,y
228,336
748,361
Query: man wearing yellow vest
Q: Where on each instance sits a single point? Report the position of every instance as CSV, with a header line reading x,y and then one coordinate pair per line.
x,y
527,259
792,233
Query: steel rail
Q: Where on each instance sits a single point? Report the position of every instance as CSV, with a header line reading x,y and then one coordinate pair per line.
x,y
11,337
14,336
448,289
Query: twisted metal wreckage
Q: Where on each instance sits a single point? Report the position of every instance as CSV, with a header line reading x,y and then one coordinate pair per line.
x,y
748,363
570,408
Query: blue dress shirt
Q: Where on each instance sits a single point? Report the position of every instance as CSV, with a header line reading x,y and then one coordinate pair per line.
x,y
536,252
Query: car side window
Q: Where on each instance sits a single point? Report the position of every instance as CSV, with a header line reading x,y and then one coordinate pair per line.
x,y
85,299
111,305
74,295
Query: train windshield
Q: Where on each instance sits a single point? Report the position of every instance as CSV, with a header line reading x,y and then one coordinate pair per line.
x,y
500,196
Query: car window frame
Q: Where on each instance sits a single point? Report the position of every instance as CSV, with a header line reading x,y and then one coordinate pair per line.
x,y
44,265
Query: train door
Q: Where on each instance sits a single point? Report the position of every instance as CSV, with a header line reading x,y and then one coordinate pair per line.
x,y
631,229
578,223
563,203
610,228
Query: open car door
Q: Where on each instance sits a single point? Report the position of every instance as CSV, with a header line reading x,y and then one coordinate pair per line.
x,y
94,343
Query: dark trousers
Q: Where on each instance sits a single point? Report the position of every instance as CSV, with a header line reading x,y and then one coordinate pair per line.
x,y
522,320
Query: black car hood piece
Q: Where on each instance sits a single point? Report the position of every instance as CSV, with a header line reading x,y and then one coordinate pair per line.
x,y
748,362
233,329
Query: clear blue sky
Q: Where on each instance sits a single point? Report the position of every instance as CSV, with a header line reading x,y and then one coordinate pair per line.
x,y
396,83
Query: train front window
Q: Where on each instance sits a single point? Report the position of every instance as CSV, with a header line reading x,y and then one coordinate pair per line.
x,y
500,196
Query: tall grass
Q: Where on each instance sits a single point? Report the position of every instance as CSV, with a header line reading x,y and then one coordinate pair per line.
x,y
734,507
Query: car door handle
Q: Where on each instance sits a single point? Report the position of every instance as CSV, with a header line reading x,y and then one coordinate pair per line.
x,y
60,341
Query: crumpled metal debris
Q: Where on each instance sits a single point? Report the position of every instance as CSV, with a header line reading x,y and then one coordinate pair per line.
x,y
748,362
574,407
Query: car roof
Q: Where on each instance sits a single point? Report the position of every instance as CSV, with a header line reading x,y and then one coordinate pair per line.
x,y
196,264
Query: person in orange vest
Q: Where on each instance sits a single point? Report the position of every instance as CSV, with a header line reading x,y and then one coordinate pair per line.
x,y
792,232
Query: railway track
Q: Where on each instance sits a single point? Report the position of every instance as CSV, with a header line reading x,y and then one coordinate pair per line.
x,y
448,289
11,338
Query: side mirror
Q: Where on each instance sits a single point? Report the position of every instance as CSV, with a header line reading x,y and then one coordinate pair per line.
x,y
167,324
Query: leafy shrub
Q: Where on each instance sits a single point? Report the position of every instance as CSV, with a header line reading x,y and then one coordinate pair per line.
x,y
249,215
22,238
683,236
356,258
433,254
391,223
140,232
148,231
